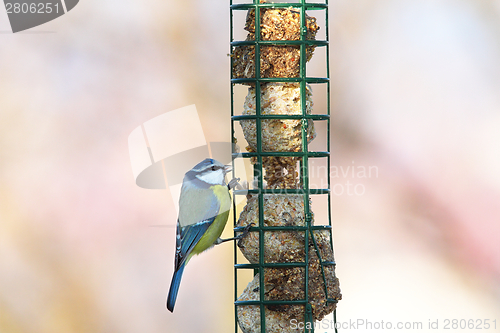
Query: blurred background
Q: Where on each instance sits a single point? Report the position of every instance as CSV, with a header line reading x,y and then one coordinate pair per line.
x,y
414,94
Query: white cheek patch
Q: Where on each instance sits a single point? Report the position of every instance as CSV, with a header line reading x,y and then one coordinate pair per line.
x,y
212,177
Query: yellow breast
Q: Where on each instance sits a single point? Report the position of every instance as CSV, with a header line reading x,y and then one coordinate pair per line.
x,y
215,230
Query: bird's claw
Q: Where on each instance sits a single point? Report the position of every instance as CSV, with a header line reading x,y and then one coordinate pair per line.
x,y
233,183
239,237
244,234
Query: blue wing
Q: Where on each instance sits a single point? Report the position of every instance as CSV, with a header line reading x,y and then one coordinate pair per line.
x,y
187,238
198,209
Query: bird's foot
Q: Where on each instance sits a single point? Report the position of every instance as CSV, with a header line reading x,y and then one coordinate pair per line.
x,y
244,234
239,237
233,183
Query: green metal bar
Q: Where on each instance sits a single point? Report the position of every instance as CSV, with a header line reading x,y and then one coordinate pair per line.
x,y
260,180
297,302
292,302
281,79
282,191
308,318
281,265
235,250
308,6
315,154
318,43
282,116
287,228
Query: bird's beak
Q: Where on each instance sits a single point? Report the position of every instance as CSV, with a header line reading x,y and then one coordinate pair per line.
x,y
228,168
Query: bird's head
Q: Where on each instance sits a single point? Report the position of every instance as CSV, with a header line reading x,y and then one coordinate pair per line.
x,y
210,171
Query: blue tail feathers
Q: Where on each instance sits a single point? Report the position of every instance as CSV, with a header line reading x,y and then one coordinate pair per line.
x,y
174,288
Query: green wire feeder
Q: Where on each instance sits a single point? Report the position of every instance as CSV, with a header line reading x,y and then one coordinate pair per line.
x,y
293,260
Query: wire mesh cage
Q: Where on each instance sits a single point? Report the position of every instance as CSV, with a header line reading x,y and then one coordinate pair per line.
x,y
291,257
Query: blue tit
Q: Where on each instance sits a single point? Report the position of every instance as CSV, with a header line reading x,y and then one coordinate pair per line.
x,y
204,206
